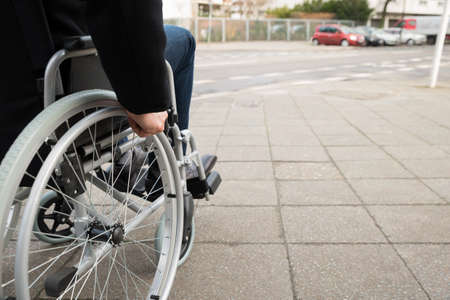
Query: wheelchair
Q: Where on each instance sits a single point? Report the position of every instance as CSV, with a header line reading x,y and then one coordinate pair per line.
x,y
75,232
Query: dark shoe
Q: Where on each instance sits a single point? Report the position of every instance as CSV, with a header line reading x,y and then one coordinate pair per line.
x,y
208,161
199,188
135,174
145,181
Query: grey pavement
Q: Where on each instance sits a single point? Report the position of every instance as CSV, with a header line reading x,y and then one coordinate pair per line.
x,y
335,190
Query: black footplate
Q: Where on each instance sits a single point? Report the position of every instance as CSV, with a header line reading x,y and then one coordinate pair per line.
x,y
214,180
199,188
57,282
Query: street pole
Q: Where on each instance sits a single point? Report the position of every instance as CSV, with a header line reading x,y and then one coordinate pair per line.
x,y
439,47
209,21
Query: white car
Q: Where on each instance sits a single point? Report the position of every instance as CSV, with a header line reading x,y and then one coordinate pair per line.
x,y
407,37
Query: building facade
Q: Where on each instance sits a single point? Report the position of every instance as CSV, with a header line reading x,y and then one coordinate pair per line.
x,y
255,8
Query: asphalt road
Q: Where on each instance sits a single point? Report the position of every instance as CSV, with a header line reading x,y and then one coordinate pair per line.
x,y
230,67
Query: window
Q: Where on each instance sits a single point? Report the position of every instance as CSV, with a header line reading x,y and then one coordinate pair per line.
x,y
332,30
423,2
323,29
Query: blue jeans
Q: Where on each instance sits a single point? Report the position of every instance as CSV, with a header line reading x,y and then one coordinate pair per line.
x,y
180,53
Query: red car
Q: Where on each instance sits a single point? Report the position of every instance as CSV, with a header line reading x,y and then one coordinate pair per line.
x,y
332,34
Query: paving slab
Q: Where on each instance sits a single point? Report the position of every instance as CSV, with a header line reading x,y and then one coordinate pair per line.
x,y
416,152
220,271
248,192
243,140
206,131
414,224
394,191
351,272
245,130
245,170
316,193
286,139
373,169
344,140
357,153
430,168
238,224
386,139
206,141
305,171
332,224
440,186
299,153
431,265
243,153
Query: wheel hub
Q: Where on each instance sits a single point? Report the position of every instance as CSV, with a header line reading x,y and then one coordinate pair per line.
x,y
103,233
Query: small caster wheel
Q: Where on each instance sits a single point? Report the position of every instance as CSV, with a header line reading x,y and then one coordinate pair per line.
x,y
186,244
53,222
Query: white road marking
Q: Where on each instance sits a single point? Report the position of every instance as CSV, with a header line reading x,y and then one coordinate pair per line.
x,y
395,66
326,69
272,74
386,72
257,88
198,82
369,64
402,60
416,59
386,62
304,82
335,78
302,71
405,69
239,77
423,66
361,75
348,66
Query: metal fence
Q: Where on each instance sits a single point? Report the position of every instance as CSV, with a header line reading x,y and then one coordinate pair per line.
x,y
223,29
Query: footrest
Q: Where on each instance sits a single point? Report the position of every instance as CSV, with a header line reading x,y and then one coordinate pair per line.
x,y
57,282
213,180
199,188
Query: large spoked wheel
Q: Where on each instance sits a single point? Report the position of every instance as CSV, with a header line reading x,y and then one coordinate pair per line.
x,y
111,253
20,165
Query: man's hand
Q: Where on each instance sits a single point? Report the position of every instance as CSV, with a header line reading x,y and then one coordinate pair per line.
x,y
147,124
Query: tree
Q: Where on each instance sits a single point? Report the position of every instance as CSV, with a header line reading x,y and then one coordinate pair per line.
x,y
279,12
383,13
356,10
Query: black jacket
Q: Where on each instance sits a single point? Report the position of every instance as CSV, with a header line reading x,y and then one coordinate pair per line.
x,y
128,35
130,39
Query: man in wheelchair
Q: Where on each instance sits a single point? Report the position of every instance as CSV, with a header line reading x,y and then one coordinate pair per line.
x,y
132,44
89,205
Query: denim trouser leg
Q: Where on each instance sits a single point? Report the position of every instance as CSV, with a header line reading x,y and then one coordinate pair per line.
x,y
180,53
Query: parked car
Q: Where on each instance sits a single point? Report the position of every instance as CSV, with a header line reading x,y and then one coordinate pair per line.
x,y
364,32
333,34
378,37
427,25
407,37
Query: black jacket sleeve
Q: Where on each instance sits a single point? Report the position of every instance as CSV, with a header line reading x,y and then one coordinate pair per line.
x,y
130,39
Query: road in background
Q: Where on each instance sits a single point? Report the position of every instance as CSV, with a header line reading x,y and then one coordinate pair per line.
x,y
235,66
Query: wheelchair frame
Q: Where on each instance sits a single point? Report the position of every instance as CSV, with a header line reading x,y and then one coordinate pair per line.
x,y
177,160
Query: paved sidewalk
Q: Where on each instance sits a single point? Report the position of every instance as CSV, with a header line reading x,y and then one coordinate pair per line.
x,y
331,191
